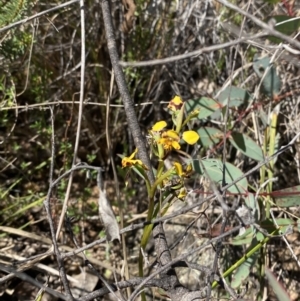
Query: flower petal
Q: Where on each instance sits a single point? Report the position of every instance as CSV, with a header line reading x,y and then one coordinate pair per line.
x,y
133,154
175,104
190,137
182,193
175,145
189,168
129,161
125,162
178,168
158,126
171,134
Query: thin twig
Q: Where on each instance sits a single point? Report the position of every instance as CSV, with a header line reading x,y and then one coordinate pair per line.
x,y
267,27
34,282
87,262
188,55
59,259
81,99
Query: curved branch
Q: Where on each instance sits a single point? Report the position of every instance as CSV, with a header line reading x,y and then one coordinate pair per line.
x,y
124,284
139,139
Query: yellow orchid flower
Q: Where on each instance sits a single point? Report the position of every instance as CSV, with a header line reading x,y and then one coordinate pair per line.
x,y
182,193
183,173
158,126
190,137
178,169
129,161
175,104
169,139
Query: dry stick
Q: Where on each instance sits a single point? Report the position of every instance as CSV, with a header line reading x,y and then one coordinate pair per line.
x,y
161,246
262,24
34,282
46,104
34,30
132,120
162,283
59,260
122,285
81,98
117,186
65,204
187,294
191,54
87,262
290,57
268,28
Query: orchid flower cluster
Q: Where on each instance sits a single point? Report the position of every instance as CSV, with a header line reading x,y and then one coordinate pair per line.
x,y
163,141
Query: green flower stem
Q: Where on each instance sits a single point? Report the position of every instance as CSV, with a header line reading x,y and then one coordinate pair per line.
x,y
146,234
246,256
148,185
160,168
179,119
151,214
167,205
272,142
185,122
159,180
160,147
192,115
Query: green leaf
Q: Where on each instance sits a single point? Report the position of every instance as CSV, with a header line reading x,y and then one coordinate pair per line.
x,y
277,287
209,136
214,169
271,83
287,25
283,223
234,96
206,105
288,197
244,238
246,146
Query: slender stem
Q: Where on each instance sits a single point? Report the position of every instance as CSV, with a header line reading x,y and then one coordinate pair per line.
x,y
159,181
246,256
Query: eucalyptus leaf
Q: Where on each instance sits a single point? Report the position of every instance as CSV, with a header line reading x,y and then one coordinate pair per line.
x,y
246,145
215,169
253,205
244,238
234,96
288,197
284,24
271,83
206,106
209,136
277,286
